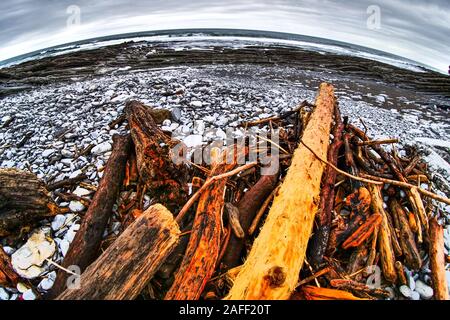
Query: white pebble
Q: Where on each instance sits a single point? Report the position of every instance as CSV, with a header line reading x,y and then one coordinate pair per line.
x,y
29,295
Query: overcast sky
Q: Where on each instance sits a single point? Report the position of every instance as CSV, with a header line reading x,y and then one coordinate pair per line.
x,y
415,29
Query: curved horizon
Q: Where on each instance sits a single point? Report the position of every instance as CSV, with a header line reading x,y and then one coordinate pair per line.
x,y
407,28
208,32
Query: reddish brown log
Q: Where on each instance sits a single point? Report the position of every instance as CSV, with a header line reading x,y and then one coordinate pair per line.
x,y
319,240
437,261
363,232
161,176
85,246
248,206
125,268
203,249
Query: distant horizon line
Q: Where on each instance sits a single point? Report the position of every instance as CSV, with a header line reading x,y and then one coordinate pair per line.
x,y
252,33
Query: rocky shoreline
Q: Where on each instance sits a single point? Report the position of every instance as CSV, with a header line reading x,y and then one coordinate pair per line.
x,y
56,123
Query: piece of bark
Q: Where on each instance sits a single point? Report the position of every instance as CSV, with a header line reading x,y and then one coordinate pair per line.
x,y
358,289
272,268
248,206
233,220
406,237
316,293
66,182
85,246
384,236
203,249
24,201
8,277
437,261
319,240
125,268
363,232
165,179
401,274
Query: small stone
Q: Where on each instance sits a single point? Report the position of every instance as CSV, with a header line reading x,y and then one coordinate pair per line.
x,y
75,174
176,114
415,296
29,295
66,153
21,287
4,295
64,246
406,291
48,152
101,148
167,123
196,104
47,282
58,222
425,291
193,140
76,206
82,192
27,261
9,250
70,234
221,134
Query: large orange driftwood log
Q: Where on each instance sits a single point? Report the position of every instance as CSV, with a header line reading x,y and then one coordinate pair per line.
x,y
125,268
272,268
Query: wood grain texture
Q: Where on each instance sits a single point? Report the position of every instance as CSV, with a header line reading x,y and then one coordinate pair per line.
x,y
24,200
125,268
272,268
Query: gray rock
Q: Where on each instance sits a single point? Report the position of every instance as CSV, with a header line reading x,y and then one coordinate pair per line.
x,y
47,282
406,291
425,291
48,152
58,222
101,148
176,114
4,295
29,295
76,206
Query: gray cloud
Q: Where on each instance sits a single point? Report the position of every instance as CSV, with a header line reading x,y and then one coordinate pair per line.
x,y
415,29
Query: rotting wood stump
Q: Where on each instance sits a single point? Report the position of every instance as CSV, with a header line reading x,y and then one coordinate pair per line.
x,y
24,201
125,268
271,270
165,180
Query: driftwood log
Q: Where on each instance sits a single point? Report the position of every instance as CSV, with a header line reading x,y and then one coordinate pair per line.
x,y
203,249
8,277
248,206
272,268
437,261
384,236
24,201
165,179
85,246
125,268
320,238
